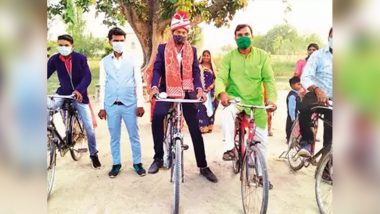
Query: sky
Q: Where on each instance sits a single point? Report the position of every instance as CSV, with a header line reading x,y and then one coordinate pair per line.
x,y
308,16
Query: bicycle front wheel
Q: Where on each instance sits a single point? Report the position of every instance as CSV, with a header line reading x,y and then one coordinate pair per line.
x,y
237,161
324,184
254,182
177,174
51,161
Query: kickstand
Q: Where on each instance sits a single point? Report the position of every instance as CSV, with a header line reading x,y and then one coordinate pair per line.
x,y
284,154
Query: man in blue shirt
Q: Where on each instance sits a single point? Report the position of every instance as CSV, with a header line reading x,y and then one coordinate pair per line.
x,y
121,98
318,79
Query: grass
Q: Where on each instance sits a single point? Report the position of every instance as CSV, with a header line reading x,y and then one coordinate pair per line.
x,y
283,67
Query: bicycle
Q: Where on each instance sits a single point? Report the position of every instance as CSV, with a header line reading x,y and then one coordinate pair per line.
x,y
250,161
295,161
323,186
73,140
173,144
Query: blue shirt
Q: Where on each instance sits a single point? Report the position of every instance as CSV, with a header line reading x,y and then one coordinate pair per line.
x,y
318,71
292,104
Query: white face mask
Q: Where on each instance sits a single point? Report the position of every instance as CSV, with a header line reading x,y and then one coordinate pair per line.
x,y
118,46
65,51
331,43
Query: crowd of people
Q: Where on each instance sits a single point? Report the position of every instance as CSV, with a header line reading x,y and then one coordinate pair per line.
x,y
245,72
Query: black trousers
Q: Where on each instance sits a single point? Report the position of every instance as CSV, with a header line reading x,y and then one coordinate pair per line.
x,y
190,112
309,101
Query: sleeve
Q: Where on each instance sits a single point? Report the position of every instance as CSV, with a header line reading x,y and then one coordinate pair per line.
x,y
309,71
292,107
102,84
157,69
86,79
50,67
196,71
298,70
221,80
268,80
139,86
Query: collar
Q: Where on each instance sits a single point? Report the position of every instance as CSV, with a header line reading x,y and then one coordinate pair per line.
x,y
64,59
114,57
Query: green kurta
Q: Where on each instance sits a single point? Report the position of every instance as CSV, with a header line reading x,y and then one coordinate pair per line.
x,y
244,77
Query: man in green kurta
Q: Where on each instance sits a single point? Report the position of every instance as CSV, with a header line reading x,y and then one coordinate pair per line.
x,y
243,73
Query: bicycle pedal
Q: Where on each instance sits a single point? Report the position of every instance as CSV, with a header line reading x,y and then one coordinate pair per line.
x,y
185,147
82,150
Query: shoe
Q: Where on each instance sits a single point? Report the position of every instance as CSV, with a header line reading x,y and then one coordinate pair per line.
x,y
114,171
208,174
155,166
95,161
304,153
305,150
326,178
270,185
270,133
139,169
229,155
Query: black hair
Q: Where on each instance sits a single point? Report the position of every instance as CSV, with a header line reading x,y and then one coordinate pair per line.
x,y
241,26
117,32
313,45
66,37
201,57
294,80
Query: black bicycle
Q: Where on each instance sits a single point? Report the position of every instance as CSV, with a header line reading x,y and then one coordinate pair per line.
x,y
173,144
73,141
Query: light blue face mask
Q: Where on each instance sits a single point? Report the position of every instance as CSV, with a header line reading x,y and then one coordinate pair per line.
x,y
65,51
331,43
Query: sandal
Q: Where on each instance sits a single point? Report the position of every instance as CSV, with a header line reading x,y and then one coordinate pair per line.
x,y
229,155
270,185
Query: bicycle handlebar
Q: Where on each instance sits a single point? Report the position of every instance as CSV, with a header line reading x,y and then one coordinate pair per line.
x,y
162,97
72,97
237,101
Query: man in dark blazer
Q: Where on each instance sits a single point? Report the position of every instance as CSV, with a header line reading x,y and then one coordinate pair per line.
x,y
74,77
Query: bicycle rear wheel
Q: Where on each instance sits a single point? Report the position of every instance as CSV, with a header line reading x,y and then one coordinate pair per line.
x,y
51,161
236,163
177,174
323,186
254,182
295,162
75,137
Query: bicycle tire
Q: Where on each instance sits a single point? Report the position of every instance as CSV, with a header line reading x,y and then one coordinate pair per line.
x,y
236,163
177,175
250,180
73,123
320,184
295,163
167,139
51,161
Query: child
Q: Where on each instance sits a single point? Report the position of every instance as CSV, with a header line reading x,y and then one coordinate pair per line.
x,y
292,102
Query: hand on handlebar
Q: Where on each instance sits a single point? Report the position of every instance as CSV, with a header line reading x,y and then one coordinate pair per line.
x,y
274,106
154,93
78,96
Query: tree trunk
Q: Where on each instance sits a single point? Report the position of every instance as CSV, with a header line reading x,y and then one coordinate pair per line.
x,y
150,33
